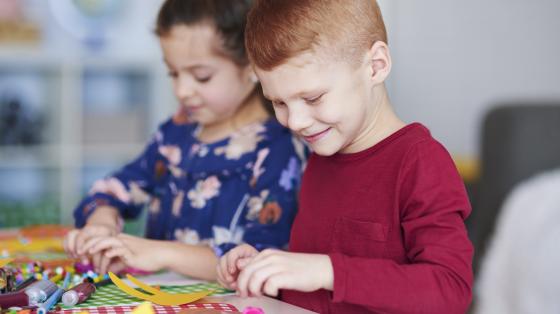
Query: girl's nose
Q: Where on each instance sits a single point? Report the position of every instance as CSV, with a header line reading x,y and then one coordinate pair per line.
x,y
184,88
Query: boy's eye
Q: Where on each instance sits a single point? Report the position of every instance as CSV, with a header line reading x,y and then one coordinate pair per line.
x,y
314,100
278,103
172,74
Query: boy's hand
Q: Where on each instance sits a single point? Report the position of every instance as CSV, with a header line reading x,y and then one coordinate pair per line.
x,y
232,263
140,253
272,270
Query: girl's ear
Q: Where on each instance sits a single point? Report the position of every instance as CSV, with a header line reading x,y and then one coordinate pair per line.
x,y
379,62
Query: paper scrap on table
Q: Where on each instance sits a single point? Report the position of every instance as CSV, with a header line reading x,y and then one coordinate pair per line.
x,y
156,296
5,261
144,308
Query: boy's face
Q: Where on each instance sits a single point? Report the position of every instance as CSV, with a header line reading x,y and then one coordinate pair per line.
x,y
326,104
209,86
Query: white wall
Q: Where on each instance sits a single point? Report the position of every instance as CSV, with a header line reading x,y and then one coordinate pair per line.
x,y
455,59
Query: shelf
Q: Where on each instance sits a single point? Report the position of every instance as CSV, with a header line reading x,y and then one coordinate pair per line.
x,y
39,156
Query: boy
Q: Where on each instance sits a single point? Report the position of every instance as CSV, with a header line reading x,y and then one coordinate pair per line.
x,y
382,207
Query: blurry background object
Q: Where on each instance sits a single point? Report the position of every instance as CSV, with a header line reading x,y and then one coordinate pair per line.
x,y
76,103
519,140
14,28
88,20
19,125
520,273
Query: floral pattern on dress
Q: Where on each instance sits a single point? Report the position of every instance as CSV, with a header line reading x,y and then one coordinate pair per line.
x,y
113,187
255,204
242,189
188,236
203,191
241,142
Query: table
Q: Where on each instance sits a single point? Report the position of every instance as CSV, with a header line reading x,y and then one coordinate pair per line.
x,y
269,305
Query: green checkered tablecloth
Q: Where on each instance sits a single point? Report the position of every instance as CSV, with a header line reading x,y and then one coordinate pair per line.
x,y
112,295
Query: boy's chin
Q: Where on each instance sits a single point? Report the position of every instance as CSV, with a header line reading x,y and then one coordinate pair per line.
x,y
324,149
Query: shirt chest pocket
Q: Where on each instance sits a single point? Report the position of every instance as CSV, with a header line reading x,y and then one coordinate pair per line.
x,y
360,238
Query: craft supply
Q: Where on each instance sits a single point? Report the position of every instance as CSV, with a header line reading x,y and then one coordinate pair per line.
x,y
78,294
160,309
105,280
144,308
55,297
157,296
253,310
18,298
5,261
7,280
40,291
26,283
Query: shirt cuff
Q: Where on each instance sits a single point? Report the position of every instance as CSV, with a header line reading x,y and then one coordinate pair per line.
x,y
340,277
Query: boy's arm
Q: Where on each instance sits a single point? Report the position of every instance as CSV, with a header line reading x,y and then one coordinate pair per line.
x,y
438,276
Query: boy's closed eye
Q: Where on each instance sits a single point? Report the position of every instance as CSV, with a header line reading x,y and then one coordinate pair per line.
x,y
314,99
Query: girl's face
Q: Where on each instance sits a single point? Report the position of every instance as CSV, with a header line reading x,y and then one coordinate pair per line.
x,y
210,87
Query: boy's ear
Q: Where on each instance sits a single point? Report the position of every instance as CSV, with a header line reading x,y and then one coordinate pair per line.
x,y
379,62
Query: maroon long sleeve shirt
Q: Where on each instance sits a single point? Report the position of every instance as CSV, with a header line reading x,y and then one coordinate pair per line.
x,y
391,219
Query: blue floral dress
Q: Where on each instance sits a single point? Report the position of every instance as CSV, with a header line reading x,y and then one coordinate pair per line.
x,y
242,189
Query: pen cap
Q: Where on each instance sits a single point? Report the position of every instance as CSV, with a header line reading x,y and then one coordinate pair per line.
x,y
70,298
13,299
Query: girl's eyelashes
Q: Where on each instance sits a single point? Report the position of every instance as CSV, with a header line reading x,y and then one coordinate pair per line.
x,y
172,74
203,79
278,103
199,79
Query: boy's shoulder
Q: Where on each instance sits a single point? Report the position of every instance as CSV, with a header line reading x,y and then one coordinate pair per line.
x,y
418,141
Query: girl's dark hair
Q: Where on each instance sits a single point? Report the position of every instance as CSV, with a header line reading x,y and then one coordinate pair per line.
x,y
228,16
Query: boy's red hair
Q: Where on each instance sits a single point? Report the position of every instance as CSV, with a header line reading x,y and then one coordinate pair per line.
x,y
278,30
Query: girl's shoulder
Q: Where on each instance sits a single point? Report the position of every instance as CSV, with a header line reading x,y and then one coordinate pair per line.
x,y
174,132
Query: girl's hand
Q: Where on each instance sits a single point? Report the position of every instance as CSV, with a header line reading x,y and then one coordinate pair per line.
x,y
140,253
104,222
272,270
232,263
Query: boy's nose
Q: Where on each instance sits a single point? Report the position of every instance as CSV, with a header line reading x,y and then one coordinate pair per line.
x,y
299,118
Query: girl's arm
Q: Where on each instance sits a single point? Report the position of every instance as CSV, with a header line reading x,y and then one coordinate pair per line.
x,y
197,261
128,189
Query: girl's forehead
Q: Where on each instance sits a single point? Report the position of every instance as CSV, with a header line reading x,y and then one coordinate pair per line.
x,y
192,43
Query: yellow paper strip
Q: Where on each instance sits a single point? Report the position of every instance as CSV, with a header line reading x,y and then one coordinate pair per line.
x,y
142,285
5,261
144,308
161,298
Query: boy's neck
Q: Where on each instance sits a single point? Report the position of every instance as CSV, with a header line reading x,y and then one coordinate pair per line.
x,y
251,112
381,123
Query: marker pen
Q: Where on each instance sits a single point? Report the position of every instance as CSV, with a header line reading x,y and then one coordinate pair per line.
x,y
40,290
18,298
78,294
55,297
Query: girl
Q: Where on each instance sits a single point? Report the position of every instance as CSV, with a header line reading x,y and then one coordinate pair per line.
x,y
221,172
